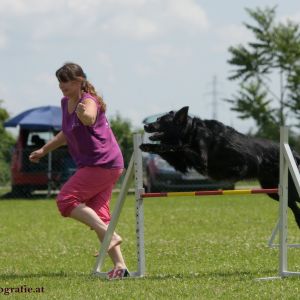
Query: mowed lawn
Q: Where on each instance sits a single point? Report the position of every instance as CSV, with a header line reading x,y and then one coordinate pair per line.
x,y
196,248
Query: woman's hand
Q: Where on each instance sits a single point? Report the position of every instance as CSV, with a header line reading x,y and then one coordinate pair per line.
x,y
53,144
80,109
87,112
36,155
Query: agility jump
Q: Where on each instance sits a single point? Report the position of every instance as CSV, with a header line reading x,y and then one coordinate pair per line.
x,y
287,163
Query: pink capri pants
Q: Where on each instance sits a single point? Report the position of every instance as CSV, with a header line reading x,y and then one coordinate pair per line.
x,y
91,186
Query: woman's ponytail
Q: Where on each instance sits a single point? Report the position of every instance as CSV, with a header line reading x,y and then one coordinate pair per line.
x,y
87,87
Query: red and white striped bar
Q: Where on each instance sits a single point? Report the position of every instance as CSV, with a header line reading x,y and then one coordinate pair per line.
x,y
210,193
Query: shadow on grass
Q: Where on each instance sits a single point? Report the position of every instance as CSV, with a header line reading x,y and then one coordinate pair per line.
x,y
240,275
41,274
11,196
216,274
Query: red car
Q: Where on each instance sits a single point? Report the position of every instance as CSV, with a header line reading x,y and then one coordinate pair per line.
x,y
52,171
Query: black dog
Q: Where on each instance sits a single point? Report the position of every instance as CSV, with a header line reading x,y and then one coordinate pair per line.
x,y
218,151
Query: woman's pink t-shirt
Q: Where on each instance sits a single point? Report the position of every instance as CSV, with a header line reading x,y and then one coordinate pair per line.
x,y
90,145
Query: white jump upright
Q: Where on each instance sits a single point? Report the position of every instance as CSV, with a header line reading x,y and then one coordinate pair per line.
x,y
134,168
287,164
139,205
273,236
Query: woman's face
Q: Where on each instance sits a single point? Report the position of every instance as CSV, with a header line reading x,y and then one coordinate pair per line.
x,y
70,88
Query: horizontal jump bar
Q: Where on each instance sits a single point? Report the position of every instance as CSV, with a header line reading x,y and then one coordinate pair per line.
x,y
210,193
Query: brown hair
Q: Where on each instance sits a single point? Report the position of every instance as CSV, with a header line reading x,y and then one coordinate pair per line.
x,y
72,71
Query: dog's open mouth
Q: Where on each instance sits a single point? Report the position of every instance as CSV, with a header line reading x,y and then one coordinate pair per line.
x,y
156,136
150,128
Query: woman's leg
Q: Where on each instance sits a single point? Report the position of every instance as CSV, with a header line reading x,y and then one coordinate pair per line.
x,y
100,204
88,216
92,186
117,257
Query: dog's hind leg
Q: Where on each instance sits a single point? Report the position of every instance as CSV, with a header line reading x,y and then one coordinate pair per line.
x,y
293,196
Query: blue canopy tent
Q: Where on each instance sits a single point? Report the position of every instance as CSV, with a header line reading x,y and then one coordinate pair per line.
x,y
44,118
39,118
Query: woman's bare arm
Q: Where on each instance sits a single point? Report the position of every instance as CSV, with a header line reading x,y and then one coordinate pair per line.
x,y
56,142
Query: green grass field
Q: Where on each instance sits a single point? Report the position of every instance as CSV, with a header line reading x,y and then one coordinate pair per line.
x,y
196,248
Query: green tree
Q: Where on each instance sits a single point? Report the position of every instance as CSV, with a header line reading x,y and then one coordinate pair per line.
x,y
123,131
274,54
7,142
251,102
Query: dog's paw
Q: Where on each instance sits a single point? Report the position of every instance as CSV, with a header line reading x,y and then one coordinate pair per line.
x,y
160,148
143,147
146,147
154,148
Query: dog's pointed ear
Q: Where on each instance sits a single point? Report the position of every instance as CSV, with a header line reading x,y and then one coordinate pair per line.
x,y
181,115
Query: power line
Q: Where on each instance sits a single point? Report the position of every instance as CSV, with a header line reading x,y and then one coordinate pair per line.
x,y
214,93
214,98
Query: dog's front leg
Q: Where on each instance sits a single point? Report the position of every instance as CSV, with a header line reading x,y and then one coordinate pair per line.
x,y
196,160
158,148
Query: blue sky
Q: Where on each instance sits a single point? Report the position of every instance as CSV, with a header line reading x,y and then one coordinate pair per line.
x,y
143,56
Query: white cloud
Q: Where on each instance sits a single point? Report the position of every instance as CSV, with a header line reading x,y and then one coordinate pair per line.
x,y
3,40
104,59
294,18
46,79
162,50
189,12
167,50
3,91
90,7
156,18
21,7
49,28
160,55
136,19
144,70
86,7
105,62
232,35
131,26
132,3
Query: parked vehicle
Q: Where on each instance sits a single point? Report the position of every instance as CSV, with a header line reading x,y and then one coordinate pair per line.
x,y
36,127
159,176
53,169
